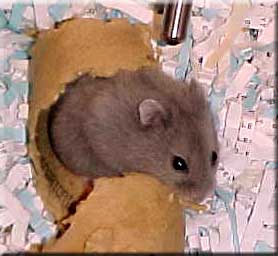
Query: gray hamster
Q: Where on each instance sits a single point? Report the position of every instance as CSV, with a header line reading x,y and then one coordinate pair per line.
x,y
141,121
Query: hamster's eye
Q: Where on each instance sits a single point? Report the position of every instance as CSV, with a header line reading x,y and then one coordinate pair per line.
x,y
179,164
213,158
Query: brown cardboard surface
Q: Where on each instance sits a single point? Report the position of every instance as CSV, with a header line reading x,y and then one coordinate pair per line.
x,y
130,214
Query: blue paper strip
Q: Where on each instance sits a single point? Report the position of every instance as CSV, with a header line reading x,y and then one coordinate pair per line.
x,y
37,222
271,112
262,246
19,55
209,13
3,20
16,16
227,197
272,165
16,90
251,98
27,199
40,225
216,99
183,58
116,13
14,134
4,65
58,10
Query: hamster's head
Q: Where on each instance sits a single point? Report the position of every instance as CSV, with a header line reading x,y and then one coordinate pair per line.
x,y
180,142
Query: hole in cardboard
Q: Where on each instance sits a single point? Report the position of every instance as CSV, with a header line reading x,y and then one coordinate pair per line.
x,y
50,165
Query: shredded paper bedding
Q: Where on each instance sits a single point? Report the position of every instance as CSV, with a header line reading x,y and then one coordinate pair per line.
x,y
229,49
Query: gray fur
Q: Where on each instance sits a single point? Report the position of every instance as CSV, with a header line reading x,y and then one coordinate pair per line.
x,y
96,129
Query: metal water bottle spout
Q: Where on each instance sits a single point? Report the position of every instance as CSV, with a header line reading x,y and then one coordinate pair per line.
x,y
176,16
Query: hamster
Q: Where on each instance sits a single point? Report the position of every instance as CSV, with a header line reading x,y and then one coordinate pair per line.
x,y
142,121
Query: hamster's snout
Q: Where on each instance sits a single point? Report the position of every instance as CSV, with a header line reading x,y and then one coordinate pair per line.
x,y
197,191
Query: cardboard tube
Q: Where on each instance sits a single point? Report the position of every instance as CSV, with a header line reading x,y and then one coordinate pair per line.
x,y
134,213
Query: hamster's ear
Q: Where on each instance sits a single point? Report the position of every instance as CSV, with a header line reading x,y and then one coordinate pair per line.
x,y
151,112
